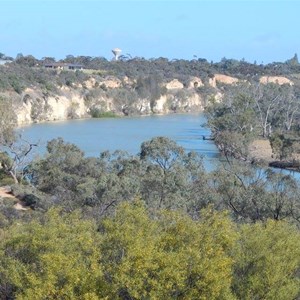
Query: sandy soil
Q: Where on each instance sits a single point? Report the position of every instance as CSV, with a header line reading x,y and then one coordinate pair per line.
x,y
275,79
19,206
261,149
5,193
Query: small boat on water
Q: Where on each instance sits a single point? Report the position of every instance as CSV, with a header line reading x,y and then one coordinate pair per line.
x,y
207,138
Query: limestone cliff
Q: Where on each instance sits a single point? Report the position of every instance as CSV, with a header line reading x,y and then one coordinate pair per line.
x,y
37,106
120,96
69,102
275,79
111,94
222,79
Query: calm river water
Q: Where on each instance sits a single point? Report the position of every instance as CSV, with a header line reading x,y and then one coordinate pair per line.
x,y
96,135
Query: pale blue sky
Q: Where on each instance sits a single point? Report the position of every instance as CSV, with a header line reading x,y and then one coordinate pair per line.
x,y
264,31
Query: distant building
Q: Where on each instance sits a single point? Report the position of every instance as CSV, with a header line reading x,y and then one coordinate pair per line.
x,y
4,61
116,52
63,66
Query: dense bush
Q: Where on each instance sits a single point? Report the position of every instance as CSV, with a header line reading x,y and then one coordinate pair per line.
x,y
134,255
164,176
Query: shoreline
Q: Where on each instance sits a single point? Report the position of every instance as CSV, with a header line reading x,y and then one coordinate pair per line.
x,y
261,151
18,126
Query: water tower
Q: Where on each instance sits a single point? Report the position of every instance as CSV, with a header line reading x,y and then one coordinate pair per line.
x,y
116,52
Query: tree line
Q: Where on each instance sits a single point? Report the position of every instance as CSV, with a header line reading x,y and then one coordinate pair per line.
x,y
163,175
250,111
26,69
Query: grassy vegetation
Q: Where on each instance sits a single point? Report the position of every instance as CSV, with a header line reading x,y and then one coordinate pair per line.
x,y
97,113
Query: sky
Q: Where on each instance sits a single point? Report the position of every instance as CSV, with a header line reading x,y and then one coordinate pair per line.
x,y
258,30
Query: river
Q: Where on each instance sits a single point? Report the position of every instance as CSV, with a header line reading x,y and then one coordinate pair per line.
x,y
96,135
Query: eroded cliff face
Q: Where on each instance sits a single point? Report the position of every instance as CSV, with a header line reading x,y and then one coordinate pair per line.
x,y
118,96
35,105
222,79
275,79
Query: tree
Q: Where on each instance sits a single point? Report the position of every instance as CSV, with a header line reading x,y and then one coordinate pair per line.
x,y
135,254
69,58
19,55
269,101
169,257
267,266
54,258
149,88
48,60
14,151
28,60
291,108
282,145
119,181
170,173
15,158
283,194
247,111
97,184
253,194
7,121
233,121
161,151
293,61
57,174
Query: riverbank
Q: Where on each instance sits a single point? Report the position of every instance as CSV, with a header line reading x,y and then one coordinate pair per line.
x,y
94,135
35,105
261,150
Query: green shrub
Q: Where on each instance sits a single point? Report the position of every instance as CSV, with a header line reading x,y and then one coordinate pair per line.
x,y
30,200
98,113
6,181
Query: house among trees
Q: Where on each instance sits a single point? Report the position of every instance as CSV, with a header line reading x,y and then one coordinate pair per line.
x,y
5,60
63,66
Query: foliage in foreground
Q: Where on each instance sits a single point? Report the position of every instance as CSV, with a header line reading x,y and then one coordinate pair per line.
x,y
115,247
134,256
164,176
